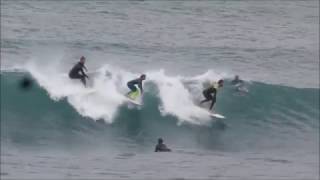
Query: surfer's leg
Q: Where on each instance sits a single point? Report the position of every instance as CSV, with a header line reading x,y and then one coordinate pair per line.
x,y
78,76
74,76
205,100
212,103
132,88
208,97
83,80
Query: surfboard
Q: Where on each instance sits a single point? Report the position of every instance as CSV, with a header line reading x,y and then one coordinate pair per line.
x,y
134,102
134,98
217,115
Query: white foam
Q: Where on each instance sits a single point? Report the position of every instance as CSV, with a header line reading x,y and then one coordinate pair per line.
x,y
176,99
108,86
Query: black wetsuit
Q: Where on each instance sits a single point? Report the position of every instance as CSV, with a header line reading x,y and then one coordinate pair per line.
x,y
75,72
132,87
207,93
236,81
161,148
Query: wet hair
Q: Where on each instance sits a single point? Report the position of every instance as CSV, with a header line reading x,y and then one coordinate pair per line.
x,y
82,58
160,140
220,81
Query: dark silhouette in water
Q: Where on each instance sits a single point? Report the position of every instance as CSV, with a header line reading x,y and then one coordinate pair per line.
x,y
237,80
160,147
25,83
240,86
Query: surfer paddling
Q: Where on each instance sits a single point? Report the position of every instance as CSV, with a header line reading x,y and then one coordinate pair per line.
x,y
213,89
75,71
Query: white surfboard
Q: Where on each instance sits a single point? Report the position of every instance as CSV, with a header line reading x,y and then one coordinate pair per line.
x,y
135,102
212,114
217,115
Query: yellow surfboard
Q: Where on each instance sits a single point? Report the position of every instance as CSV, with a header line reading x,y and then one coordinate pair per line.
x,y
133,97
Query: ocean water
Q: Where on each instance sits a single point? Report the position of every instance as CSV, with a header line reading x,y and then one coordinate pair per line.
x,y
59,129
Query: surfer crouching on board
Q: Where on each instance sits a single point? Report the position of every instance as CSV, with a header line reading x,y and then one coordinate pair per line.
x,y
207,93
132,86
75,71
161,147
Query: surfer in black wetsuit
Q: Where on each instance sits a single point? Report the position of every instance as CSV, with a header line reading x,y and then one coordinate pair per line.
x,y
160,147
75,71
131,84
207,93
239,85
236,80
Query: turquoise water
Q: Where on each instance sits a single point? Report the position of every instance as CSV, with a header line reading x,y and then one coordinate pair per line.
x,y
59,129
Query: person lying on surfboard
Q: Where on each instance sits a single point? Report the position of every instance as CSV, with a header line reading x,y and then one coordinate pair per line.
x,y
132,86
207,93
75,71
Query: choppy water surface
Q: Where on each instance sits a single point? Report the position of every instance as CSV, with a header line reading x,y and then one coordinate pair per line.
x,y
58,129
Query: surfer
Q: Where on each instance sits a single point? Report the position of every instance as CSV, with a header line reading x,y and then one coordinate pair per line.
x,y
161,147
236,80
75,71
132,84
207,93
239,84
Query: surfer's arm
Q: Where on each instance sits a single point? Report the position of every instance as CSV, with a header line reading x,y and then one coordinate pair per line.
x,y
85,68
140,86
213,101
167,149
83,73
214,92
